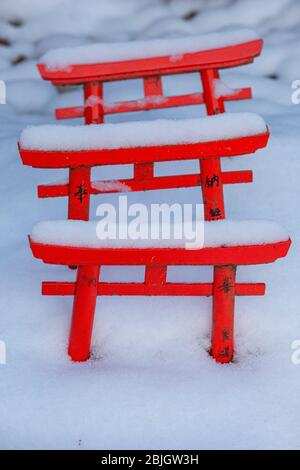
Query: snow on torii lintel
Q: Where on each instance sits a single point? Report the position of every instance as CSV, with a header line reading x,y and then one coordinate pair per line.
x,y
142,134
215,234
133,50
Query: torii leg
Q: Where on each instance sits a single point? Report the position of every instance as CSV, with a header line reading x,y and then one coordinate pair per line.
x,y
223,313
83,312
79,193
211,171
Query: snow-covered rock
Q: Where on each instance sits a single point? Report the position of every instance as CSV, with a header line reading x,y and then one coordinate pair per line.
x,y
29,96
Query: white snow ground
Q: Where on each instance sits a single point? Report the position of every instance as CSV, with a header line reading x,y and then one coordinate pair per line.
x,y
151,383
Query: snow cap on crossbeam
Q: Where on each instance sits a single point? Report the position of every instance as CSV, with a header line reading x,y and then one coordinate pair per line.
x,y
216,234
132,50
142,134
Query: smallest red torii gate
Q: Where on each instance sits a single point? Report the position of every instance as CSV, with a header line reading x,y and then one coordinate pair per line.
x,y
92,66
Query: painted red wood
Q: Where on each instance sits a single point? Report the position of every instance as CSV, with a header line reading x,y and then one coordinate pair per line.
x,y
143,172
235,255
153,86
223,289
79,193
230,56
213,104
159,182
212,189
151,70
147,104
203,150
164,289
153,90
83,312
155,275
80,162
53,190
93,102
80,176
222,346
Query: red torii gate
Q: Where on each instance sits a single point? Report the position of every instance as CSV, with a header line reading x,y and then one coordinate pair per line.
x,y
223,289
156,260
92,76
206,152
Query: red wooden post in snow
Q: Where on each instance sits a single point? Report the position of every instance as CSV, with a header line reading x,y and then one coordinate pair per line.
x,y
155,275
222,346
212,184
214,208
79,193
80,176
93,102
83,312
152,89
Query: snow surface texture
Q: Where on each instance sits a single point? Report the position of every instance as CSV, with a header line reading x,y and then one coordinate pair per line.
x,y
150,382
220,233
142,134
95,53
